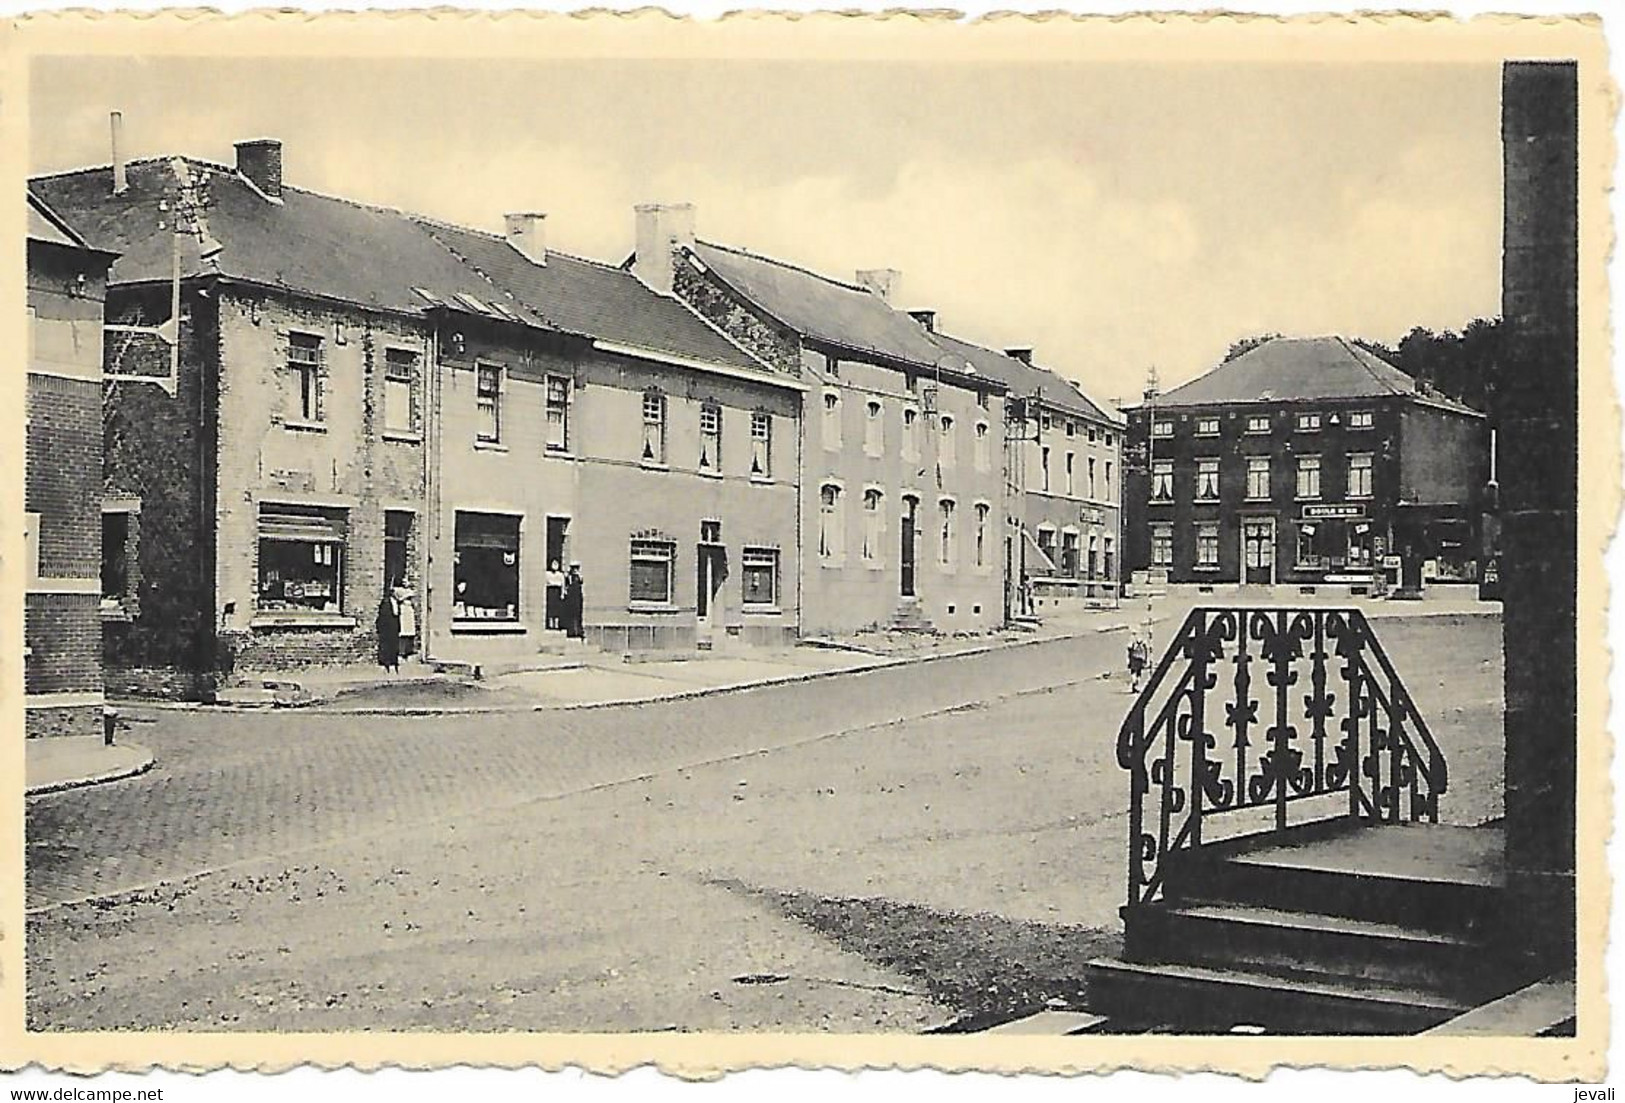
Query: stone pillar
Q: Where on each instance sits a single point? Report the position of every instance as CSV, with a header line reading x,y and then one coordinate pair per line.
x,y
1536,396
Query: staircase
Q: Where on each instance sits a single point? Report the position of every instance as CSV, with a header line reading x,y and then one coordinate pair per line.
x,y
909,617
1286,870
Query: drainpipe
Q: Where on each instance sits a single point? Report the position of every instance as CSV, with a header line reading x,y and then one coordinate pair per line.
x,y
801,547
431,484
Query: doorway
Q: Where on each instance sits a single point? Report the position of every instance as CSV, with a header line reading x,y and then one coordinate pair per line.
x,y
711,567
911,516
1258,551
397,546
558,531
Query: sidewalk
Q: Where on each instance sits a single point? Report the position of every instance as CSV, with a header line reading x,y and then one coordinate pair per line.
x,y
68,762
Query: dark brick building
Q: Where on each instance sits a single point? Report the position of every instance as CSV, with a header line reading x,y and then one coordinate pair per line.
x,y
62,670
1305,461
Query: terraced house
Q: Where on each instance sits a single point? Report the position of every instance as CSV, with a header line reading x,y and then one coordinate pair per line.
x,y
364,397
903,461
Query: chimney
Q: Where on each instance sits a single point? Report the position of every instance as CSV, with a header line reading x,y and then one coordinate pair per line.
x,y
260,161
1023,354
661,229
926,318
881,282
527,232
121,178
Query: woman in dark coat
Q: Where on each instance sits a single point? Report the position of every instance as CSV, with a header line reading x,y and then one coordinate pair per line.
x,y
574,597
389,634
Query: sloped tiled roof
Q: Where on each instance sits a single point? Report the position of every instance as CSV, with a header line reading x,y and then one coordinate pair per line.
x,y
1023,378
1300,368
584,296
824,309
46,225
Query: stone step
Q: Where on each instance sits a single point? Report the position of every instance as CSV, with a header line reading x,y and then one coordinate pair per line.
x,y
1206,999
1052,1024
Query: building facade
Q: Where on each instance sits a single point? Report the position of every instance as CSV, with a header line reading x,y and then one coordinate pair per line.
x,y
1305,461
902,460
65,578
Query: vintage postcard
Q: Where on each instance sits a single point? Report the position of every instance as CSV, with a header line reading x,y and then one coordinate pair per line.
x,y
1046,544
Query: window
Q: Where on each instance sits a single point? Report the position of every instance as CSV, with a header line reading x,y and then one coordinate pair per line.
x,y
1308,423
119,558
1360,419
1308,476
305,362
558,414
830,543
1162,428
1046,545
1071,428
1108,440
654,565
981,399
1046,423
832,420
1207,547
874,429
1069,554
1308,550
981,533
1091,434
911,433
1094,554
911,382
873,523
760,570
485,567
1258,423
1258,478
654,427
1108,559
1043,467
301,559
488,399
1091,476
1070,458
1207,426
711,438
946,455
761,445
1360,469
1162,546
1207,480
984,447
1110,493
1162,480
946,552
400,391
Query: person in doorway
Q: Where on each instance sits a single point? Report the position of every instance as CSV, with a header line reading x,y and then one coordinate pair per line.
x,y
1139,655
574,600
555,596
389,634
406,615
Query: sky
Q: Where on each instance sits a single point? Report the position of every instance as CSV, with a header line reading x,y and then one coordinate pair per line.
x,y
1114,217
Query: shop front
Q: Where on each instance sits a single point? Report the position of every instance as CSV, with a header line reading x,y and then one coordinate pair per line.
x,y
1338,542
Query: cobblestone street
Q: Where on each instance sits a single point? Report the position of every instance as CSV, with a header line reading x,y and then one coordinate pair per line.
x,y
882,850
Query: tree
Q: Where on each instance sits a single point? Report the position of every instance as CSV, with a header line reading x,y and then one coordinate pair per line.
x,y
1246,345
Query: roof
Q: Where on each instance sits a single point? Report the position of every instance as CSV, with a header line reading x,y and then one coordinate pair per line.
x,y
826,310
45,225
584,296
1025,379
1301,368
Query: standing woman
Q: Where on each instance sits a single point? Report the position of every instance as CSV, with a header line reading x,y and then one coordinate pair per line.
x,y
389,634
407,617
574,599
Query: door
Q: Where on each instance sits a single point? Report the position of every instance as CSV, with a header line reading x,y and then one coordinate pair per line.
x,y
397,539
911,510
1258,551
711,568
558,529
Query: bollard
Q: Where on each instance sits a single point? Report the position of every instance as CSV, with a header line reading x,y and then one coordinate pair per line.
x,y
109,725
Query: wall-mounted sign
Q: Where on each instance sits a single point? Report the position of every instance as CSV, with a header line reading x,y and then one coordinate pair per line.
x,y
1091,515
1326,511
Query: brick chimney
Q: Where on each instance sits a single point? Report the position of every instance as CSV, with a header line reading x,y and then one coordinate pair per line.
x,y
1025,355
260,162
527,232
880,282
926,318
661,229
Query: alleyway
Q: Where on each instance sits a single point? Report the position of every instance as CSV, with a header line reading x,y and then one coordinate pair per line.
x,y
884,850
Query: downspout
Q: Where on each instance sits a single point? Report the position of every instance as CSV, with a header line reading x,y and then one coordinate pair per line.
x,y
800,479
431,484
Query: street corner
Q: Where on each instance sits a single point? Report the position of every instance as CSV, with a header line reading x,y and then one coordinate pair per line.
x,y
72,762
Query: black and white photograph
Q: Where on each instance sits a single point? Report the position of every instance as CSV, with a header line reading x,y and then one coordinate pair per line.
x,y
974,537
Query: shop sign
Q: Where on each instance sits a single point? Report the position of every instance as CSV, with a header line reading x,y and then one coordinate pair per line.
x,y
1326,511
1091,515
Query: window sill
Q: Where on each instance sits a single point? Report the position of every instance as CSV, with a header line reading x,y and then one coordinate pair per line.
x,y
706,473
1209,567
487,628
652,607
763,480
832,561
297,426
301,620
762,610
489,446
1207,500
553,453
117,613
653,465
403,436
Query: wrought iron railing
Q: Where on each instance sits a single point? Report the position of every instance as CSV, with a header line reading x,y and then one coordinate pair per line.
x,y
1311,707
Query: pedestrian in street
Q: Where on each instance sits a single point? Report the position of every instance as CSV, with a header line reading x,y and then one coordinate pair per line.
x,y
574,601
389,634
555,596
407,617
1139,654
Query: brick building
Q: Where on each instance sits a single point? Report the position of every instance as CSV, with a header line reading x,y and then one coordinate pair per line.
x,y
903,467
358,402
1304,461
62,533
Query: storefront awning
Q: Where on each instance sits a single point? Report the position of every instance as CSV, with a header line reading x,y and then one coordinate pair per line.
x,y
279,526
1035,549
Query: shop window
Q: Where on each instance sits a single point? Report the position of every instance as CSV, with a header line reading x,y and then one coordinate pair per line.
x,y
1309,477
1207,426
654,427
1360,472
558,413
488,404
1162,546
1162,480
1360,419
1207,547
1258,478
1046,545
984,446
946,456
761,445
711,438
874,429
301,559
873,524
1207,480
485,567
1310,551
1259,423
1069,554
946,510
400,391
305,365
760,570
653,572
981,533
829,521
832,420
1359,545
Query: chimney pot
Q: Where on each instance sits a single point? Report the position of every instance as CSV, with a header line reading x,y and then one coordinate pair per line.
x,y
883,283
1025,355
260,162
121,178
662,228
926,318
527,232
